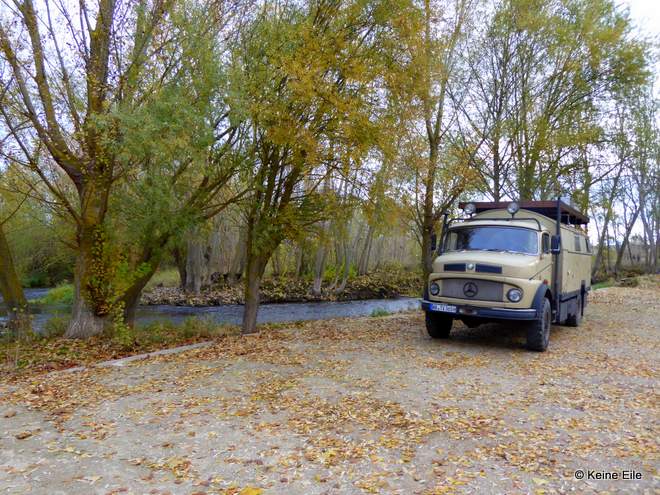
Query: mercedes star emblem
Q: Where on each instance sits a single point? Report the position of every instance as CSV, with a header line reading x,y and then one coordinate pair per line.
x,y
470,289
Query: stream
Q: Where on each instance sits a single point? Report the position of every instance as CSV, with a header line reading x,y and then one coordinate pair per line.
x,y
233,313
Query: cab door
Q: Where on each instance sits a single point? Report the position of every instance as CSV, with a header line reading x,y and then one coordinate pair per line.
x,y
546,259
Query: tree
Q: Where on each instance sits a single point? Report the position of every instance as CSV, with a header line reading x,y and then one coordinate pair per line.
x,y
439,180
541,86
84,93
306,79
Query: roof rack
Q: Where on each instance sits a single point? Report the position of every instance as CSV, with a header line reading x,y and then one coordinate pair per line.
x,y
568,214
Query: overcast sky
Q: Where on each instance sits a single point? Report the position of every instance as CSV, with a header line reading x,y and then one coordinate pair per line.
x,y
646,13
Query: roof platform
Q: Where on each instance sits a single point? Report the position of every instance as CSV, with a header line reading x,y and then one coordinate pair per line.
x,y
569,215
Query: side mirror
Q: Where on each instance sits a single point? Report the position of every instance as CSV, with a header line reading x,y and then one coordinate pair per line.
x,y
434,242
555,244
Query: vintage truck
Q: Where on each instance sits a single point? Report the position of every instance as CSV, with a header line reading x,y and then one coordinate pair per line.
x,y
528,262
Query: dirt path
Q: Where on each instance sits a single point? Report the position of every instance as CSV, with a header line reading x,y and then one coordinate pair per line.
x,y
367,405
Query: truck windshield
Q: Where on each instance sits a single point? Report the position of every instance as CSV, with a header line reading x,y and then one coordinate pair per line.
x,y
492,238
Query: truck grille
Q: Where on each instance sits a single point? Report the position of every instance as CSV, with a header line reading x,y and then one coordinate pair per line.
x,y
475,289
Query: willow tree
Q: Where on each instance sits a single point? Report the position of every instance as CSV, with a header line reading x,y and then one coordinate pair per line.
x,y
79,80
305,80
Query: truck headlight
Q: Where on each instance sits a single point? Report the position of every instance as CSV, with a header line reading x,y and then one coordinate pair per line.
x,y
434,289
514,295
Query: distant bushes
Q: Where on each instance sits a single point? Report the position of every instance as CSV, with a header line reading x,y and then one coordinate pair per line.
x,y
377,285
62,294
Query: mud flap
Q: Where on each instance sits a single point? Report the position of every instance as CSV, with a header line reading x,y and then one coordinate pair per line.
x,y
537,303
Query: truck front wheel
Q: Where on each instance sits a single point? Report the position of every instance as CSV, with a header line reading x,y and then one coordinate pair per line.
x,y
538,331
438,326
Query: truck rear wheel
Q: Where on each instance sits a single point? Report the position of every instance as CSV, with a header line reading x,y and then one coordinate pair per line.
x,y
538,331
438,326
575,319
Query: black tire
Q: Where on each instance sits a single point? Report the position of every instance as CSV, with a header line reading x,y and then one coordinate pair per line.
x,y
438,326
574,320
538,331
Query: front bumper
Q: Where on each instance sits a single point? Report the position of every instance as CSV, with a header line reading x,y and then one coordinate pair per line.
x,y
479,312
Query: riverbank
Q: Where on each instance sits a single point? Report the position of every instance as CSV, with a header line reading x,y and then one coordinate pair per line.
x,y
379,285
38,355
164,327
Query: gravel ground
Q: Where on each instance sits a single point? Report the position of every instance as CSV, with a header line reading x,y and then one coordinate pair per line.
x,y
369,405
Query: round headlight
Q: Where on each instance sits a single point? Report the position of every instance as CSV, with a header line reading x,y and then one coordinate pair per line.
x,y
470,208
434,289
512,208
514,295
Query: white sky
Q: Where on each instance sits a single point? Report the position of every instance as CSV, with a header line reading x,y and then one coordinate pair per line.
x,y
646,15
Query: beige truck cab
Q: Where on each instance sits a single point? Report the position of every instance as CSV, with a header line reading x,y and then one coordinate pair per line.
x,y
528,262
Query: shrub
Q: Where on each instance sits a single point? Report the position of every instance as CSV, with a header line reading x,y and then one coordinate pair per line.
x,y
379,312
62,294
55,326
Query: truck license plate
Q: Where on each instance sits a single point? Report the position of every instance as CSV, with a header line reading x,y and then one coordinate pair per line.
x,y
446,308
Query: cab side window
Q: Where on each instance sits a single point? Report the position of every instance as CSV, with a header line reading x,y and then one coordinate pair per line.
x,y
545,243
578,246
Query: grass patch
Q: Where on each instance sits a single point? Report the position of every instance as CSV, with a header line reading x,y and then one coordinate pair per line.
x,y
168,277
379,312
62,294
603,284
50,351
192,329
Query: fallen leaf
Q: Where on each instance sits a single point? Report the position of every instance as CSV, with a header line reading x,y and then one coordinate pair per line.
x,y
248,490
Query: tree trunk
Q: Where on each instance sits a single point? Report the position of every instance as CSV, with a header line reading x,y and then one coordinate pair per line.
x,y
195,266
428,219
319,266
180,260
90,305
85,322
301,260
427,254
11,290
346,267
497,186
131,297
276,262
363,263
607,252
256,266
238,260
625,243
603,239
